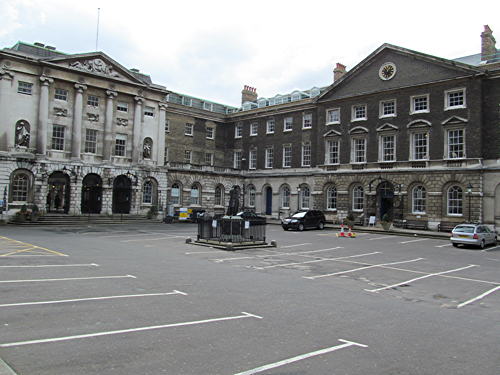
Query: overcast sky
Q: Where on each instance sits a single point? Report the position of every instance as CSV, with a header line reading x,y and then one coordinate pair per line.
x,y
210,49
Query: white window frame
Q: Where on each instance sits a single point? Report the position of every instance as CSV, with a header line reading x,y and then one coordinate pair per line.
x,y
195,195
209,158
254,129
354,150
329,160
188,129
252,159
149,111
447,94
457,208
331,199
418,200
287,156
120,143
381,148
61,94
305,197
167,126
210,132
307,121
25,88
188,156
413,99
270,126
413,146
354,113
447,145
219,195
90,145
238,130
288,124
93,101
251,196
382,107
285,194
269,158
330,120
303,161
237,155
122,106
56,138
358,194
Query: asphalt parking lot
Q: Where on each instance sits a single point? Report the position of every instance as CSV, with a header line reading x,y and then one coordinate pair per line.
x,y
139,300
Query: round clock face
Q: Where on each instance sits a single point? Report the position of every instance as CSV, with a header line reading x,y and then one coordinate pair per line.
x,y
387,71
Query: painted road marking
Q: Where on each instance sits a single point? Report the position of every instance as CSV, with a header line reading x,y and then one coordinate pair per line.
x,y
361,268
478,297
380,238
287,361
491,248
299,244
420,239
153,239
420,278
315,261
91,299
54,265
277,254
130,330
67,279
29,247
445,245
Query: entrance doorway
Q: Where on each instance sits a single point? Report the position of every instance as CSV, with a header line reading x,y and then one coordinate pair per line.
x,y
269,200
58,195
92,194
385,199
122,194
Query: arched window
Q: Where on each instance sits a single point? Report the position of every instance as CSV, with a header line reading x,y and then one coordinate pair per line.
x,y
331,198
20,186
305,198
357,198
418,199
219,195
147,192
455,200
251,196
195,194
285,197
175,194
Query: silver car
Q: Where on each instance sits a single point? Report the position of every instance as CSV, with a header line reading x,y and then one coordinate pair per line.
x,y
473,234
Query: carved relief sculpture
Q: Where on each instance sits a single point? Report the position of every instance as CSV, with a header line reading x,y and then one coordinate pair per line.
x,y
147,148
122,121
61,112
95,66
22,133
92,117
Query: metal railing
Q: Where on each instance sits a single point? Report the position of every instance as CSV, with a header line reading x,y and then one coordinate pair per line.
x,y
230,229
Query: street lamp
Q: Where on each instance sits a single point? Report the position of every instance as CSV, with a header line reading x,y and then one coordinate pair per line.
x,y
469,193
298,198
243,160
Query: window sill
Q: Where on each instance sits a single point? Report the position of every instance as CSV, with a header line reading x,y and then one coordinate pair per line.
x,y
419,112
333,123
455,107
359,119
308,128
388,116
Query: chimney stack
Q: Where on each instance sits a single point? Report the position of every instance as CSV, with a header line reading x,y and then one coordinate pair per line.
x,y
338,72
488,48
248,94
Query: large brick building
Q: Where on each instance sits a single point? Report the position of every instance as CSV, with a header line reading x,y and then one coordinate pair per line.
x,y
402,133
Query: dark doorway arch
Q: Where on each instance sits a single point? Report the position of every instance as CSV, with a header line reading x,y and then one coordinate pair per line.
x,y
58,195
92,194
385,199
122,194
269,200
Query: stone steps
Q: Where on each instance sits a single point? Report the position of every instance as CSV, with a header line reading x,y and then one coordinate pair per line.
x,y
65,220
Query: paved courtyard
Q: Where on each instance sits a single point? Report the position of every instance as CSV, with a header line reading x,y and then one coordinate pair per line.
x,y
139,300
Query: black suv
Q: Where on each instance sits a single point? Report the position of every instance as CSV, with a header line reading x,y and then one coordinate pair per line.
x,y
304,219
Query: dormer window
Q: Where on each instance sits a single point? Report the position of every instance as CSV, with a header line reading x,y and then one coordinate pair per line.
x,y
262,103
295,96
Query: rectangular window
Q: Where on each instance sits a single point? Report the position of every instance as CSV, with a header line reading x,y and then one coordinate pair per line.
x,y
210,132
167,126
93,101
24,87
332,152
456,144
91,141
165,157
454,99
419,104
58,137
358,112
149,111
333,116
420,146
238,130
307,121
252,157
269,157
254,128
288,124
61,94
209,158
188,129
187,156
358,150
270,126
122,107
120,144
186,101
387,108
207,106
287,156
237,160
306,155
387,148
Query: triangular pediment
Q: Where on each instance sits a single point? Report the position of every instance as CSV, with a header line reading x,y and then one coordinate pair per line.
x,y
332,133
406,68
387,127
96,63
454,120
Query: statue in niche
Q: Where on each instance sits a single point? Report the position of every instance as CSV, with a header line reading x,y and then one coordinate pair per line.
x,y
22,133
234,201
147,148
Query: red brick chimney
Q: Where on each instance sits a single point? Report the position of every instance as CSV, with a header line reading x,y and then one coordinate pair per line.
x,y
338,72
248,94
488,48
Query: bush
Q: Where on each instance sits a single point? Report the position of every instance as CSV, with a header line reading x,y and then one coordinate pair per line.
x,y
153,211
349,220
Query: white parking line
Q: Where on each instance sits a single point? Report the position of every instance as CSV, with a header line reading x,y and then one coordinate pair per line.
x,y
90,299
380,238
361,268
276,255
420,239
420,278
478,297
299,244
445,245
53,265
316,261
302,356
67,279
153,239
491,248
129,330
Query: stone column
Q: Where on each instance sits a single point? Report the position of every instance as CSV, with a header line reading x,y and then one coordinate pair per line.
x,y
43,115
6,78
136,142
76,135
160,148
108,125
